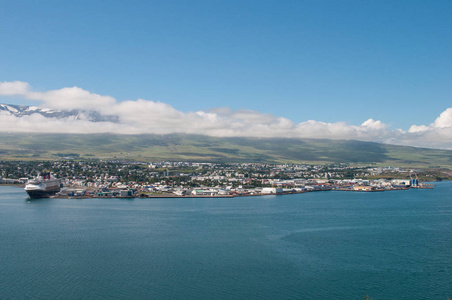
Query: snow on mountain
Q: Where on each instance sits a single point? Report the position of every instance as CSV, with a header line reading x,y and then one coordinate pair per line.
x,y
23,110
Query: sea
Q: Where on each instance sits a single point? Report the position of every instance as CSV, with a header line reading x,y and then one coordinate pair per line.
x,y
318,245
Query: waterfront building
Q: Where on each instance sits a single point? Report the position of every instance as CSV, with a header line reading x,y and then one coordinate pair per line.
x,y
272,190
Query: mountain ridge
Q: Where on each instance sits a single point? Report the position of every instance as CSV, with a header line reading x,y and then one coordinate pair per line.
x,y
189,147
25,110
193,147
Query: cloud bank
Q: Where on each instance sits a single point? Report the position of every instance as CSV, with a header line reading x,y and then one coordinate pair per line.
x,y
146,116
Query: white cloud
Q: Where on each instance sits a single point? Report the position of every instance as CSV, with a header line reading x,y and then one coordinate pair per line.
x,y
371,123
39,123
444,120
13,88
145,116
73,98
418,128
65,98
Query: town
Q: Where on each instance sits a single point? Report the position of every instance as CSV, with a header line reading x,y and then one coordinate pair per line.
x,y
97,178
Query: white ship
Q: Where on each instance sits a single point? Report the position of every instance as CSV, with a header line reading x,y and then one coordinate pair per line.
x,y
42,186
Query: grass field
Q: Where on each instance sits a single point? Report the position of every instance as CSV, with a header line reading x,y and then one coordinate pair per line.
x,y
182,147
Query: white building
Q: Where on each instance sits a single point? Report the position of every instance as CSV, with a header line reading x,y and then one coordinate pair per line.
x,y
271,190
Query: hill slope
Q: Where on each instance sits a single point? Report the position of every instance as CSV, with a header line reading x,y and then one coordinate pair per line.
x,y
182,147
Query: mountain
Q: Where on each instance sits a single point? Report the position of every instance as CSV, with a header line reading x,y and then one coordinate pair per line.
x,y
185,147
23,110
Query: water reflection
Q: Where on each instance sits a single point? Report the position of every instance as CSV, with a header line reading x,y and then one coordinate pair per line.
x,y
37,200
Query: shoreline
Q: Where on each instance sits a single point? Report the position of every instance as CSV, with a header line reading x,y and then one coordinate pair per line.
x,y
232,195
224,196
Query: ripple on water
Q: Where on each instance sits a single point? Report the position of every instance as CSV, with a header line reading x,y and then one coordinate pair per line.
x,y
318,246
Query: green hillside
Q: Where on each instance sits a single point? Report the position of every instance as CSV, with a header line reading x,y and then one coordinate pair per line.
x,y
182,147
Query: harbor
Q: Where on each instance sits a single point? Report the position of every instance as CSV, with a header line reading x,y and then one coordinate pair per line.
x,y
113,179
69,193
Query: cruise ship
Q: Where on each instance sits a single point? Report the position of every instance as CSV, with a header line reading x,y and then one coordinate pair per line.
x,y
42,186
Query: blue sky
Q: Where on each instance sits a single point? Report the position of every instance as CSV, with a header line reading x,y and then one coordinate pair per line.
x,y
329,61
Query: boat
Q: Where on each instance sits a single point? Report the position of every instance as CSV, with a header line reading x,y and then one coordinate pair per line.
x,y
42,186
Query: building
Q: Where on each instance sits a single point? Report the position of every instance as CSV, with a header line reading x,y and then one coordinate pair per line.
x,y
363,188
272,191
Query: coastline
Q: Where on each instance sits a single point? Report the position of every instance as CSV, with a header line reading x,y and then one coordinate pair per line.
x,y
144,196
92,195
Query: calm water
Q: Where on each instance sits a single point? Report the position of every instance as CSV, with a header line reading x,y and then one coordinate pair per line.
x,y
325,245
